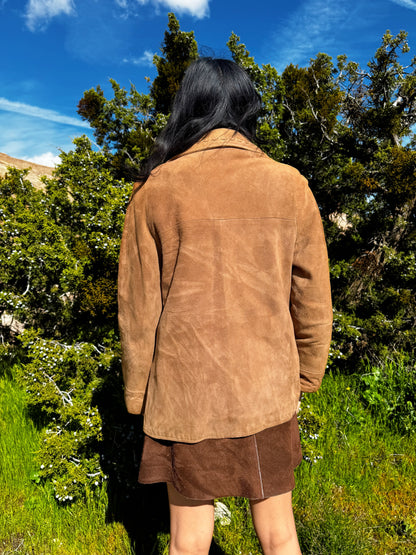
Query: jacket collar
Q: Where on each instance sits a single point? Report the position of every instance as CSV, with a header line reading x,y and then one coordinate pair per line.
x,y
220,138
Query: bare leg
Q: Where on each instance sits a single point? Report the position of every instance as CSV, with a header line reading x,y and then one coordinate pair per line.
x,y
191,524
275,525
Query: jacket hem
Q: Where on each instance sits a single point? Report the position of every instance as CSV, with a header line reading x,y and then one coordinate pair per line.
x,y
191,439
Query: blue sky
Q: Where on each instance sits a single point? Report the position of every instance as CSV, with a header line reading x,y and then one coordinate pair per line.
x,y
54,50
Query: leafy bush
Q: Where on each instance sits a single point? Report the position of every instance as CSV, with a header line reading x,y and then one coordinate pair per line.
x,y
310,424
60,380
58,273
389,390
34,256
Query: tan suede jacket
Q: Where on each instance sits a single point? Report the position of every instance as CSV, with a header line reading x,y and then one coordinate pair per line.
x,y
224,297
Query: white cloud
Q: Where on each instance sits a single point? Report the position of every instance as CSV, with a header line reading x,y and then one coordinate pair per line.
x,y
406,3
197,8
46,159
43,113
40,12
309,30
146,59
26,137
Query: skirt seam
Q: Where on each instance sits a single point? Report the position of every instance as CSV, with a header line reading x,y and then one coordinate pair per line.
x,y
258,467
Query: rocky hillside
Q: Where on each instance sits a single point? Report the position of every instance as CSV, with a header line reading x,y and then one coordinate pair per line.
x,y
35,170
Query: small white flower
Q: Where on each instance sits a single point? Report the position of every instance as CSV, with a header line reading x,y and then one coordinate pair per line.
x,y
222,513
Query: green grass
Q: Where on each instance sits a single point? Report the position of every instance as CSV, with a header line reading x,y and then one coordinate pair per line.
x,y
357,499
360,497
30,520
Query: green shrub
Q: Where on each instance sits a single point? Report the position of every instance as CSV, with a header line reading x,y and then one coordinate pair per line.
x,y
60,380
310,425
389,391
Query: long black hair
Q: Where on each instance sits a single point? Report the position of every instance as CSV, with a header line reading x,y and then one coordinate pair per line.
x,y
214,93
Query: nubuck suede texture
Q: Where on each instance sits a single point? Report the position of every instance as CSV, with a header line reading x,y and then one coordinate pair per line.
x,y
224,296
256,466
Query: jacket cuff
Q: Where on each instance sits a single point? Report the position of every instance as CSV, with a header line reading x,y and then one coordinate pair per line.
x,y
310,384
134,401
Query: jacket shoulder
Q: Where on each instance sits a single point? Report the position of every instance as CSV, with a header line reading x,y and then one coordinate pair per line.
x,y
290,172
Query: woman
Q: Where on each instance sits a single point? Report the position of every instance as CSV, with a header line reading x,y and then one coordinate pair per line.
x,y
224,311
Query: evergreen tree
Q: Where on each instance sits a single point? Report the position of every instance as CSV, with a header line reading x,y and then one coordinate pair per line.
x,y
270,86
126,125
375,278
349,132
179,49
123,126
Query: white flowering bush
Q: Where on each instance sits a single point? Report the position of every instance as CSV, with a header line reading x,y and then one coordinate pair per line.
x,y
34,254
60,381
74,393
89,203
59,248
58,267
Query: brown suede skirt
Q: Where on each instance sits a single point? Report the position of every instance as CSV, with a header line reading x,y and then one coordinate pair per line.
x,y
256,466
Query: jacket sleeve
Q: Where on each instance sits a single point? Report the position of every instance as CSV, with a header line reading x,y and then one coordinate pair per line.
x,y
139,301
311,307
